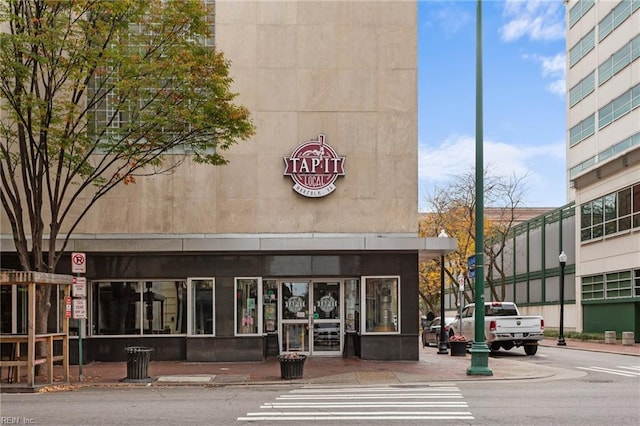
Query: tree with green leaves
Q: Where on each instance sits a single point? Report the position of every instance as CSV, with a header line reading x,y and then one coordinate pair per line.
x,y
94,94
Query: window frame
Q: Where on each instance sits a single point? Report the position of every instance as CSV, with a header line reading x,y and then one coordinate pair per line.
x,y
257,319
364,305
191,309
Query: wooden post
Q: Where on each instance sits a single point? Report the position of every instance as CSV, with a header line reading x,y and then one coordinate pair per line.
x,y
31,333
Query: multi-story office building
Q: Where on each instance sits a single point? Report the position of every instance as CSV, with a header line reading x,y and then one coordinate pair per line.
x,y
603,160
309,236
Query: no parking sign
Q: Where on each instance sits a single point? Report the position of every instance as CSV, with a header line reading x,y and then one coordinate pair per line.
x,y
78,263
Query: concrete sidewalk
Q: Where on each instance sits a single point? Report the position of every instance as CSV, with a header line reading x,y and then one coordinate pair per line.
x,y
506,365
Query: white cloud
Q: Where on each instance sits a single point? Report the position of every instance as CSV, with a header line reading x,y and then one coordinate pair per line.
x,y
541,164
555,68
457,153
448,15
536,19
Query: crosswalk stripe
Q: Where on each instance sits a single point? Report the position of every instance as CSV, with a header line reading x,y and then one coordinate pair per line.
x,y
634,367
438,402
370,405
402,396
372,390
362,413
609,371
368,417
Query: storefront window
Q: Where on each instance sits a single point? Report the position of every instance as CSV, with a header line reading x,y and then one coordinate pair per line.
x,y
202,303
270,308
352,305
139,307
114,307
247,306
165,305
382,304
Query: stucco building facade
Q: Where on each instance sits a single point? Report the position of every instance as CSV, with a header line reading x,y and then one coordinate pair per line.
x,y
307,240
603,160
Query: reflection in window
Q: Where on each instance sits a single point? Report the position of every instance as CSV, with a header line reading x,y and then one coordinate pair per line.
x,y
618,211
352,305
270,308
202,303
247,305
13,309
135,307
165,303
295,300
382,304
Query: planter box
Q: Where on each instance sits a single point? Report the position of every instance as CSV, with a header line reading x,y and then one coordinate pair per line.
x,y
292,368
458,348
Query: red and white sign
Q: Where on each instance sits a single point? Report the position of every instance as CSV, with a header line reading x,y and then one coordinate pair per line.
x,y
78,263
79,287
67,307
314,166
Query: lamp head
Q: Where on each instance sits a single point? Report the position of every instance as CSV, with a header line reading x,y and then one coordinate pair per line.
x,y
443,234
563,257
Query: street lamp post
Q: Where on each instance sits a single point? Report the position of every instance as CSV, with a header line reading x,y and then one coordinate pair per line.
x,y
563,261
479,349
442,344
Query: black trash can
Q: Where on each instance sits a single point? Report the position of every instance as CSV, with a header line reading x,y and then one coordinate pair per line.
x,y
138,364
291,367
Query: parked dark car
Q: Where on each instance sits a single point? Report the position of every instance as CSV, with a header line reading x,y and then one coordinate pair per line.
x,y
431,334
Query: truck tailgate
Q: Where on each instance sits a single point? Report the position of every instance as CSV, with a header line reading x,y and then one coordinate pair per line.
x,y
518,327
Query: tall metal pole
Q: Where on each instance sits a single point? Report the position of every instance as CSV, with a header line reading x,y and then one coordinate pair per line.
x,y
563,261
479,350
442,344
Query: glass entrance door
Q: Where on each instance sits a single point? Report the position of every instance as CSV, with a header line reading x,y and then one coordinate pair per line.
x,y
310,317
295,316
327,324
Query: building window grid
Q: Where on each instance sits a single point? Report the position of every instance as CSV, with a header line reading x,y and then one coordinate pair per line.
x,y
593,287
582,89
619,107
582,130
618,284
582,47
608,215
619,60
111,114
611,285
617,16
579,10
616,149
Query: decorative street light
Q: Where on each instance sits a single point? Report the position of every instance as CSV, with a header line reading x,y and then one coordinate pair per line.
x,y
479,349
563,261
442,344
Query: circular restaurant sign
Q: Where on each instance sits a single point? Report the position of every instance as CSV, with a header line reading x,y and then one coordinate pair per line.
x,y
314,166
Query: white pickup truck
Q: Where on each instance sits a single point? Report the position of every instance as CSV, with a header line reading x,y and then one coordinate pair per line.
x,y
504,327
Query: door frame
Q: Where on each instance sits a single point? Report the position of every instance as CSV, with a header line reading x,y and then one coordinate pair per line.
x,y
310,321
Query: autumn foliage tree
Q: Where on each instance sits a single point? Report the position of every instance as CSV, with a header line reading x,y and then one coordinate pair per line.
x,y
453,208
93,94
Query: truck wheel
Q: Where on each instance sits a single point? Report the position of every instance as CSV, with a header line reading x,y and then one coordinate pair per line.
x,y
530,349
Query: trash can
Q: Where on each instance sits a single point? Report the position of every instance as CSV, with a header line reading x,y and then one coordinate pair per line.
x,y
291,367
138,363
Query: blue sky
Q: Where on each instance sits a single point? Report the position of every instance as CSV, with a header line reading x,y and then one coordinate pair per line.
x,y
523,90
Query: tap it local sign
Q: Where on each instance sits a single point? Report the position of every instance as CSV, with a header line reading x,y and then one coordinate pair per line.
x,y
314,166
